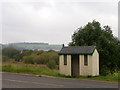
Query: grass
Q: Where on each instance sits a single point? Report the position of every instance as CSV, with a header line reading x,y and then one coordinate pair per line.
x,y
113,77
44,70
28,68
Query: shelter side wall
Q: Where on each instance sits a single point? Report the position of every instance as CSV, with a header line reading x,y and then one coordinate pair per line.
x,y
65,69
85,69
95,58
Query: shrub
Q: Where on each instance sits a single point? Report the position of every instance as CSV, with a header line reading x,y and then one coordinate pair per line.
x,y
38,52
104,71
53,56
51,64
40,59
29,59
45,57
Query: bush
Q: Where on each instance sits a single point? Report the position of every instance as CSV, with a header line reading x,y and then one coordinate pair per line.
x,y
53,56
45,57
32,56
40,59
38,52
29,59
104,71
51,64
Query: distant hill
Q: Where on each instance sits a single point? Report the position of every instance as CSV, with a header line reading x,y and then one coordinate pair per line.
x,y
32,46
2,46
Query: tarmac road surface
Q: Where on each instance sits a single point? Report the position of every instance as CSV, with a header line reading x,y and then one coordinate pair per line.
x,y
12,80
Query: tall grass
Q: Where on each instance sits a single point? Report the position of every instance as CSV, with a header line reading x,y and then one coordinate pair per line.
x,y
29,68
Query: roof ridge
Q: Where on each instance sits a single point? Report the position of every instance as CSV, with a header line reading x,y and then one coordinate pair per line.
x,y
77,50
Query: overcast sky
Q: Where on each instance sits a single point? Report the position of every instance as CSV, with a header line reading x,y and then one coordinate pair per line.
x,y
53,21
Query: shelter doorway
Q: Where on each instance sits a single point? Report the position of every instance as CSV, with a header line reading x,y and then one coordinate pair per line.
x,y
75,65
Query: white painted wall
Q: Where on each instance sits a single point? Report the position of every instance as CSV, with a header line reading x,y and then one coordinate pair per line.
x,y
95,67
65,69
85,70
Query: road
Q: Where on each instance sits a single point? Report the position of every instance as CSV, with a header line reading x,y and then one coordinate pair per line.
x,y
10,80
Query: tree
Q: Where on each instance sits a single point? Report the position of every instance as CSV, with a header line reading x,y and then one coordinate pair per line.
x,y
11,52
107,45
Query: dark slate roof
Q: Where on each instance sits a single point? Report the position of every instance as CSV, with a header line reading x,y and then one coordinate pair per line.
x,y
77,50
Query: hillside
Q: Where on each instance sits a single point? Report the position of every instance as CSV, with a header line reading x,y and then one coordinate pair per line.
x,y
32,46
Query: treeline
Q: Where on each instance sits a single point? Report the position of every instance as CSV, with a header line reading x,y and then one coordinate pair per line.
x,y
49,58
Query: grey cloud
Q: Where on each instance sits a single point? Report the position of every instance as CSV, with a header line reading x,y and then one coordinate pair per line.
x,y
52,22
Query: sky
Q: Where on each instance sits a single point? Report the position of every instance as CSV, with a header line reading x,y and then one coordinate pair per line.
x,y
53,21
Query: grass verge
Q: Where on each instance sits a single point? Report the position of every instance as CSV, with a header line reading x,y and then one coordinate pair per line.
x,y
44,70
113,77
30,69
